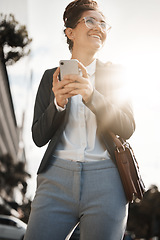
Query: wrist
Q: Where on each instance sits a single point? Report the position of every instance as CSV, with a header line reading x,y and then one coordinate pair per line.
x,y
59,107
88,99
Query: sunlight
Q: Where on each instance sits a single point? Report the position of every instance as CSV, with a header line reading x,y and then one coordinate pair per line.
x,y
143,80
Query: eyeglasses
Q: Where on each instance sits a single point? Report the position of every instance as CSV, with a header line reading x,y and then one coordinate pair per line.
x,y
91,23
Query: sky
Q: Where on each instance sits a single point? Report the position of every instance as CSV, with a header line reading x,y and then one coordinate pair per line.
x,y
134,41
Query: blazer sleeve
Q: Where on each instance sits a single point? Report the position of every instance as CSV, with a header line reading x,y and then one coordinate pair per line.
x,y
46,118
112,107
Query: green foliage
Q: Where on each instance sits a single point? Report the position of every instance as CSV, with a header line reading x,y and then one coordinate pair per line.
x,y
13,39
12,175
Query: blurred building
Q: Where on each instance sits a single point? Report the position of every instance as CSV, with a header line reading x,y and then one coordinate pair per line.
x,y
12,152
13,173
9,133
11,141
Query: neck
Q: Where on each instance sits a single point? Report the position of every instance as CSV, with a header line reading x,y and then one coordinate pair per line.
x,y
84,58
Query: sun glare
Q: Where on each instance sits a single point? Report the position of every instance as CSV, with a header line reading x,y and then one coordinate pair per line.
x,y
143,78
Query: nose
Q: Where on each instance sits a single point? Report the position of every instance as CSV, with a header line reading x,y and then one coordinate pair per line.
x,y
98,27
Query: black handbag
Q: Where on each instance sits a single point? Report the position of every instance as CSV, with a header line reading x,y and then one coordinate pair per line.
x,y
128,169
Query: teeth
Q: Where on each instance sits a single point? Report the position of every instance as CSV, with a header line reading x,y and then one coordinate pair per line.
x,y
96,36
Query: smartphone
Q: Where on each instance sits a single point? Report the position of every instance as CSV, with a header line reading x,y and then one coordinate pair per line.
x,y
68,67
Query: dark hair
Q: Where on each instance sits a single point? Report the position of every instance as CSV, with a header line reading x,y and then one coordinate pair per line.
x,y
73,13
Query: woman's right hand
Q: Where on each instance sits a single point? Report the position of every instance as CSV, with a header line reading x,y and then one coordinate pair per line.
x,y
58,87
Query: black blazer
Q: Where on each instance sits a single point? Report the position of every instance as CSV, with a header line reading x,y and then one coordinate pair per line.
x,y
112,109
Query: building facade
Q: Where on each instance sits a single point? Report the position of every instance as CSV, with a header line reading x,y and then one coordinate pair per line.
x,y
9,133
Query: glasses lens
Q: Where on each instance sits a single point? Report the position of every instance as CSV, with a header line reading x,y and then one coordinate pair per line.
x,y
103,25
92,23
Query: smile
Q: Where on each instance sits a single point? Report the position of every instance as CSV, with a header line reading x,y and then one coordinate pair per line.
x,y
96,36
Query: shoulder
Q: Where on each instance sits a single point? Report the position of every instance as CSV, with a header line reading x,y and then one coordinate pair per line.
x,y
50,71
108,66
47,77
110,74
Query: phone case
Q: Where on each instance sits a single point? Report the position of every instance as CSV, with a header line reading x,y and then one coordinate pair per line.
x,y
68,67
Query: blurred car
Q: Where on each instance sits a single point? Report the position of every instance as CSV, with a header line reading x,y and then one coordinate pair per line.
x,y
11,228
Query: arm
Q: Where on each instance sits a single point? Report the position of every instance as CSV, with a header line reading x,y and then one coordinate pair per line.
x,y
110,101
46,117
115,116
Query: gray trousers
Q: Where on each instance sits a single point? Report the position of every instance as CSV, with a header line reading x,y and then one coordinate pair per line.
x,y
70,192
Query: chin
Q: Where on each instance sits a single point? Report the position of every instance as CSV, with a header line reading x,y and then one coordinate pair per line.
x,y
93,48
97,47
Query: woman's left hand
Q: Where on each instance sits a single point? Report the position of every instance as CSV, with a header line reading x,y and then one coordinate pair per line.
x,y
79,84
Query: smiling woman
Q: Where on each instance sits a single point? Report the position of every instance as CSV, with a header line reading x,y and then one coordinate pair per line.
x,y
78,181
92,35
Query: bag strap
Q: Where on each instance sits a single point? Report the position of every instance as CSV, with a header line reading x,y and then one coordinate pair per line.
x,y
117,141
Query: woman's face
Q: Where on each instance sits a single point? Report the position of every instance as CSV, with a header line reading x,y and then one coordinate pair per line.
x,y
89,38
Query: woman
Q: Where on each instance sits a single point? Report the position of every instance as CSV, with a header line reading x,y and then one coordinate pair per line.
x,y
77,178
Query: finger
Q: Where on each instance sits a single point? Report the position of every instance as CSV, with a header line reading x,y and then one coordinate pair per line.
x,y
70,78
55,76
65,91
73,78
75,85
76,92
83,69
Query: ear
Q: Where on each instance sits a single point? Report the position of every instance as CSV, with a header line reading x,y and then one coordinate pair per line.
x,y
70,33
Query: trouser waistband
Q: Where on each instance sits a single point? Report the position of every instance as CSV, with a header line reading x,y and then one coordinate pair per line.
x,y
86,166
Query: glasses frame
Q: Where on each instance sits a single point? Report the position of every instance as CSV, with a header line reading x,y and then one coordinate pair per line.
x,y
106,29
